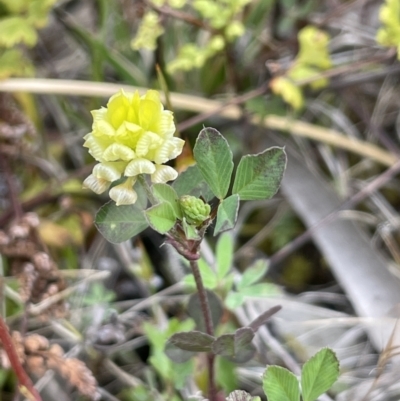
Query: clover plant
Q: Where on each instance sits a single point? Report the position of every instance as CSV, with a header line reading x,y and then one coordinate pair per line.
x,y
132,139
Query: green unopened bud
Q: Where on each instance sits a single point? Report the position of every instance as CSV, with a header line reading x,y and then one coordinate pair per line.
x,y
194,209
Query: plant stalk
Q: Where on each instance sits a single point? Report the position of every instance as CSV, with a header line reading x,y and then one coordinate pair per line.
x,y
205,308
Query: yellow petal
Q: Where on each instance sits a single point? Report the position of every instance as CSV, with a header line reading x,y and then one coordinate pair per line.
x,y
99,114
118,106
167,126
169,150
134,128
149,114
103,127
109,171
148,140
116,151
162,154
139,166
133,115
124,194
97,185
178,146
152,95
163,174
96,146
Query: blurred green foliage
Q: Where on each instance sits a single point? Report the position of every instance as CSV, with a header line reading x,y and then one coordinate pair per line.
x,y
19,22
389,33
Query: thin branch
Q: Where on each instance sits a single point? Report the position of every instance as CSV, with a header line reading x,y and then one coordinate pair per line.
x,y
25,384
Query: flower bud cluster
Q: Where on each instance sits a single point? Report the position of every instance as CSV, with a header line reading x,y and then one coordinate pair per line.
x,y
194,209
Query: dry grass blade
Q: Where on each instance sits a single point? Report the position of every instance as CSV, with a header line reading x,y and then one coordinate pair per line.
x,y
200,105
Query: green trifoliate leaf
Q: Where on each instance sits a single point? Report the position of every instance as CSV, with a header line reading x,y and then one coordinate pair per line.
x,y
161,217
236,347
259,176
280,385
194,209
214,160
227,214
318,374
224,255
165,193
191,182
120,223
193,341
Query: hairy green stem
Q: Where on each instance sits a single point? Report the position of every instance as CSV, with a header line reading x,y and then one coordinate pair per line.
x,y
205,308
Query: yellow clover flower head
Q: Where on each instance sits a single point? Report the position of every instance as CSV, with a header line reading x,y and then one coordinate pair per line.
x,y
133,135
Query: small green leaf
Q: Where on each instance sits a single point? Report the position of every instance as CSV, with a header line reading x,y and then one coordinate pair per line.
x,y
226,375
259,176
260,290
191,182
236,347
161,217
165,193
214,160
243,336
252,274
120,223
207,274
280,385
190,231
318,374
193,341
264,317
15,30
224,255
227,214
195,312
177,354
234,300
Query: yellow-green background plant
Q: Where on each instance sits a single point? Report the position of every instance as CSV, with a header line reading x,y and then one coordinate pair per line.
x,y
19,22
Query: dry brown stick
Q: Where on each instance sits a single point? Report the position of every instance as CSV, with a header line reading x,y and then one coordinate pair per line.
x,y
25,384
